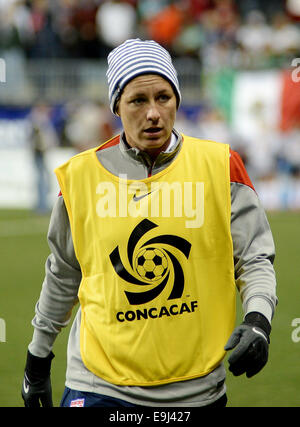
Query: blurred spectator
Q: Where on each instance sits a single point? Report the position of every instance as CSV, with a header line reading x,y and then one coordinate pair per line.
x,y
290,152
88,125
15,24
285,36
213,126
166,25
220,46
207,123
45,43
147,9
191,37
62,12
197,7
255,36
43,138
190,41
15,34
82,19
293,9
266,6
262,145
227,13
187,123
116,22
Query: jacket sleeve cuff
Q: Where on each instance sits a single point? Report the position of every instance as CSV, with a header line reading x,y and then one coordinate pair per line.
x,y
42,343
260,305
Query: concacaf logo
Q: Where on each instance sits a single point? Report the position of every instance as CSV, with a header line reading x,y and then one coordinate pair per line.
x,y
151,263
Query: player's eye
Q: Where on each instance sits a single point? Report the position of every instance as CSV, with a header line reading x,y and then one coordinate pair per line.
x,y
138,101
163,97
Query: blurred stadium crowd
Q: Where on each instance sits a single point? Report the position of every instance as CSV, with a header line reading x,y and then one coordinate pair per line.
x,y
216,35
209,30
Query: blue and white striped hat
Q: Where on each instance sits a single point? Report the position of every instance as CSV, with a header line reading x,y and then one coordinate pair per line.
x,y
134,58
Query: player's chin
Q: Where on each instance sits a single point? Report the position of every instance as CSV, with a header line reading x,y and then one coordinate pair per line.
x,y
155,141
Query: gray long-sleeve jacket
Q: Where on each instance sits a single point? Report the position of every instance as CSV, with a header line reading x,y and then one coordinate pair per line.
x,y
254,254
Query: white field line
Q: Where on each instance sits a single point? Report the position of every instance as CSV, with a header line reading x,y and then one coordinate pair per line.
x,y
24,227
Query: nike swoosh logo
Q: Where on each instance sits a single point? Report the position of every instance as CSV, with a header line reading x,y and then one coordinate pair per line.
x,y
25,386
259,333
138,198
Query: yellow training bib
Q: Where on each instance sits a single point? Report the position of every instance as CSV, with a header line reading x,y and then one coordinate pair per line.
x,y
157,291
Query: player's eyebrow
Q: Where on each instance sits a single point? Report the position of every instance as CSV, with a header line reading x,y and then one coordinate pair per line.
x,y
159,92
137,94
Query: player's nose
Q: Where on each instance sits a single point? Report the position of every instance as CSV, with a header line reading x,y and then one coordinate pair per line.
x,y
153,113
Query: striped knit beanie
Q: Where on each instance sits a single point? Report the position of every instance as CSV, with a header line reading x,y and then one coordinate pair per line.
x,y
134,58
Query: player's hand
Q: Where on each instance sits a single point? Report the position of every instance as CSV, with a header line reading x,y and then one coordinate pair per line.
x,y
36,386
250,342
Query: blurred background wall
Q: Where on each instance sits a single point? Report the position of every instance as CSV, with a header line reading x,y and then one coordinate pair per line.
x,y
237,65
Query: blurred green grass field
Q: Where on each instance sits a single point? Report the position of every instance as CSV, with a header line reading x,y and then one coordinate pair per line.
x,y
24,249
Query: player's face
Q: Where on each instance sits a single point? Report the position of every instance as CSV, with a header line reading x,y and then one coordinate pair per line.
x,y
148,110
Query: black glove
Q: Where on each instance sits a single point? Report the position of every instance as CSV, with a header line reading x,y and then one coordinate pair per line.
x,y
251,342
36,387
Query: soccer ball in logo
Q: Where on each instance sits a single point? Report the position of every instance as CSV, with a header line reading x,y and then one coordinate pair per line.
x,y
151,264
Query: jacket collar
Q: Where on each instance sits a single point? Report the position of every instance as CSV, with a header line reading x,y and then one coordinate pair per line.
x,y
163,157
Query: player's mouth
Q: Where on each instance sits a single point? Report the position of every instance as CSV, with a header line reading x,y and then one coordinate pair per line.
x,y
153,130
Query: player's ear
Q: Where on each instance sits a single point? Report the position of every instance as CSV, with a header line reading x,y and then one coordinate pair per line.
x,y
117,109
